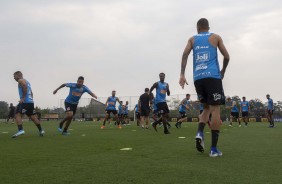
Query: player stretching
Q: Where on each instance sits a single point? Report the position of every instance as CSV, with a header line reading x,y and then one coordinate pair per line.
x,y
162,89
25,106
245,109
270,111
111,108
184,105
207,80
71,102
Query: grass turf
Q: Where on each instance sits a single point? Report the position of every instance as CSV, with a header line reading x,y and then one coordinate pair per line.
x,y
92,155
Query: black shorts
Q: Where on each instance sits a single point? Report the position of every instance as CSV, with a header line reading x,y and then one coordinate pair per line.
x,y
210,91
70,107
137,114
201,111
145,112
235,114
182,114
26,108
125,115
245,114
11,115
120,115
162,108
111,111
156,112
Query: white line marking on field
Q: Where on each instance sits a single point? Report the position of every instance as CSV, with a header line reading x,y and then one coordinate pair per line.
x,y
83,135
125,149
5,132
133,130
181,137
207,132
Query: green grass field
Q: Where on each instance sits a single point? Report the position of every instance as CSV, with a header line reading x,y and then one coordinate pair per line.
x,y
92,155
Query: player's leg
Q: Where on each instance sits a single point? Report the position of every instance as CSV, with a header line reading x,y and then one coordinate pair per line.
x,y
203,118
231,120
117,119
106,118
215,128
37,123
69,115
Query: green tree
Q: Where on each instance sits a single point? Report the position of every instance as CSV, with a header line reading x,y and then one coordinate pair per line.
x,y
4,109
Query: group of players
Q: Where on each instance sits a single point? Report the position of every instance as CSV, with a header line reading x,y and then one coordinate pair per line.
x,y
207,80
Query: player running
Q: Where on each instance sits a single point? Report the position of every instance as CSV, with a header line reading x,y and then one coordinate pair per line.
x,y
25,106
144,106
12,112
111,108
120,111
184,106
234,112
245,109
270,110
76,91
207,80
162,89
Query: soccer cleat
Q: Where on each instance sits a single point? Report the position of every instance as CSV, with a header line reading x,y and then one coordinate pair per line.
x,y
65,133
102,127
166,132
215,153
177,125
230,125
41,133
155,127
271,126
20,132
119,126
239,125
59,129
200,145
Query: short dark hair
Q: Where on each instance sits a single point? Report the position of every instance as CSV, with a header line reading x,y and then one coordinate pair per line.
x,y
244,97
146,90
267,95
187,94
17,73
203,23
161,73
80,78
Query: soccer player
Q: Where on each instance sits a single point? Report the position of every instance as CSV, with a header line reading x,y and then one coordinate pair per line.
x,y
120,111
162,89
125,113
76,91
270,110
25,106
144,106
111,108
207,79
184,105
234,111
12,112
245,109
137,114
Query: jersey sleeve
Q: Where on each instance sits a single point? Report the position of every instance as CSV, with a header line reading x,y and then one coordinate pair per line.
x,y
87,90
68,85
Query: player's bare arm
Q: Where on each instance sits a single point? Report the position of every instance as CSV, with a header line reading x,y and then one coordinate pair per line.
x,y
118,100
60,87
186,52
155,85
93,95
168,91
23,84
225,54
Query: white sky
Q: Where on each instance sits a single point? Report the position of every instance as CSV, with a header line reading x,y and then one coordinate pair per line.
x,y
125,44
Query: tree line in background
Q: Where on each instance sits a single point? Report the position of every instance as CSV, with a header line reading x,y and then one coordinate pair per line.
x,y
258,109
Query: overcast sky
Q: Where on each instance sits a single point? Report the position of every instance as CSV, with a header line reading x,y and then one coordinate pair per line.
x,y
125,44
